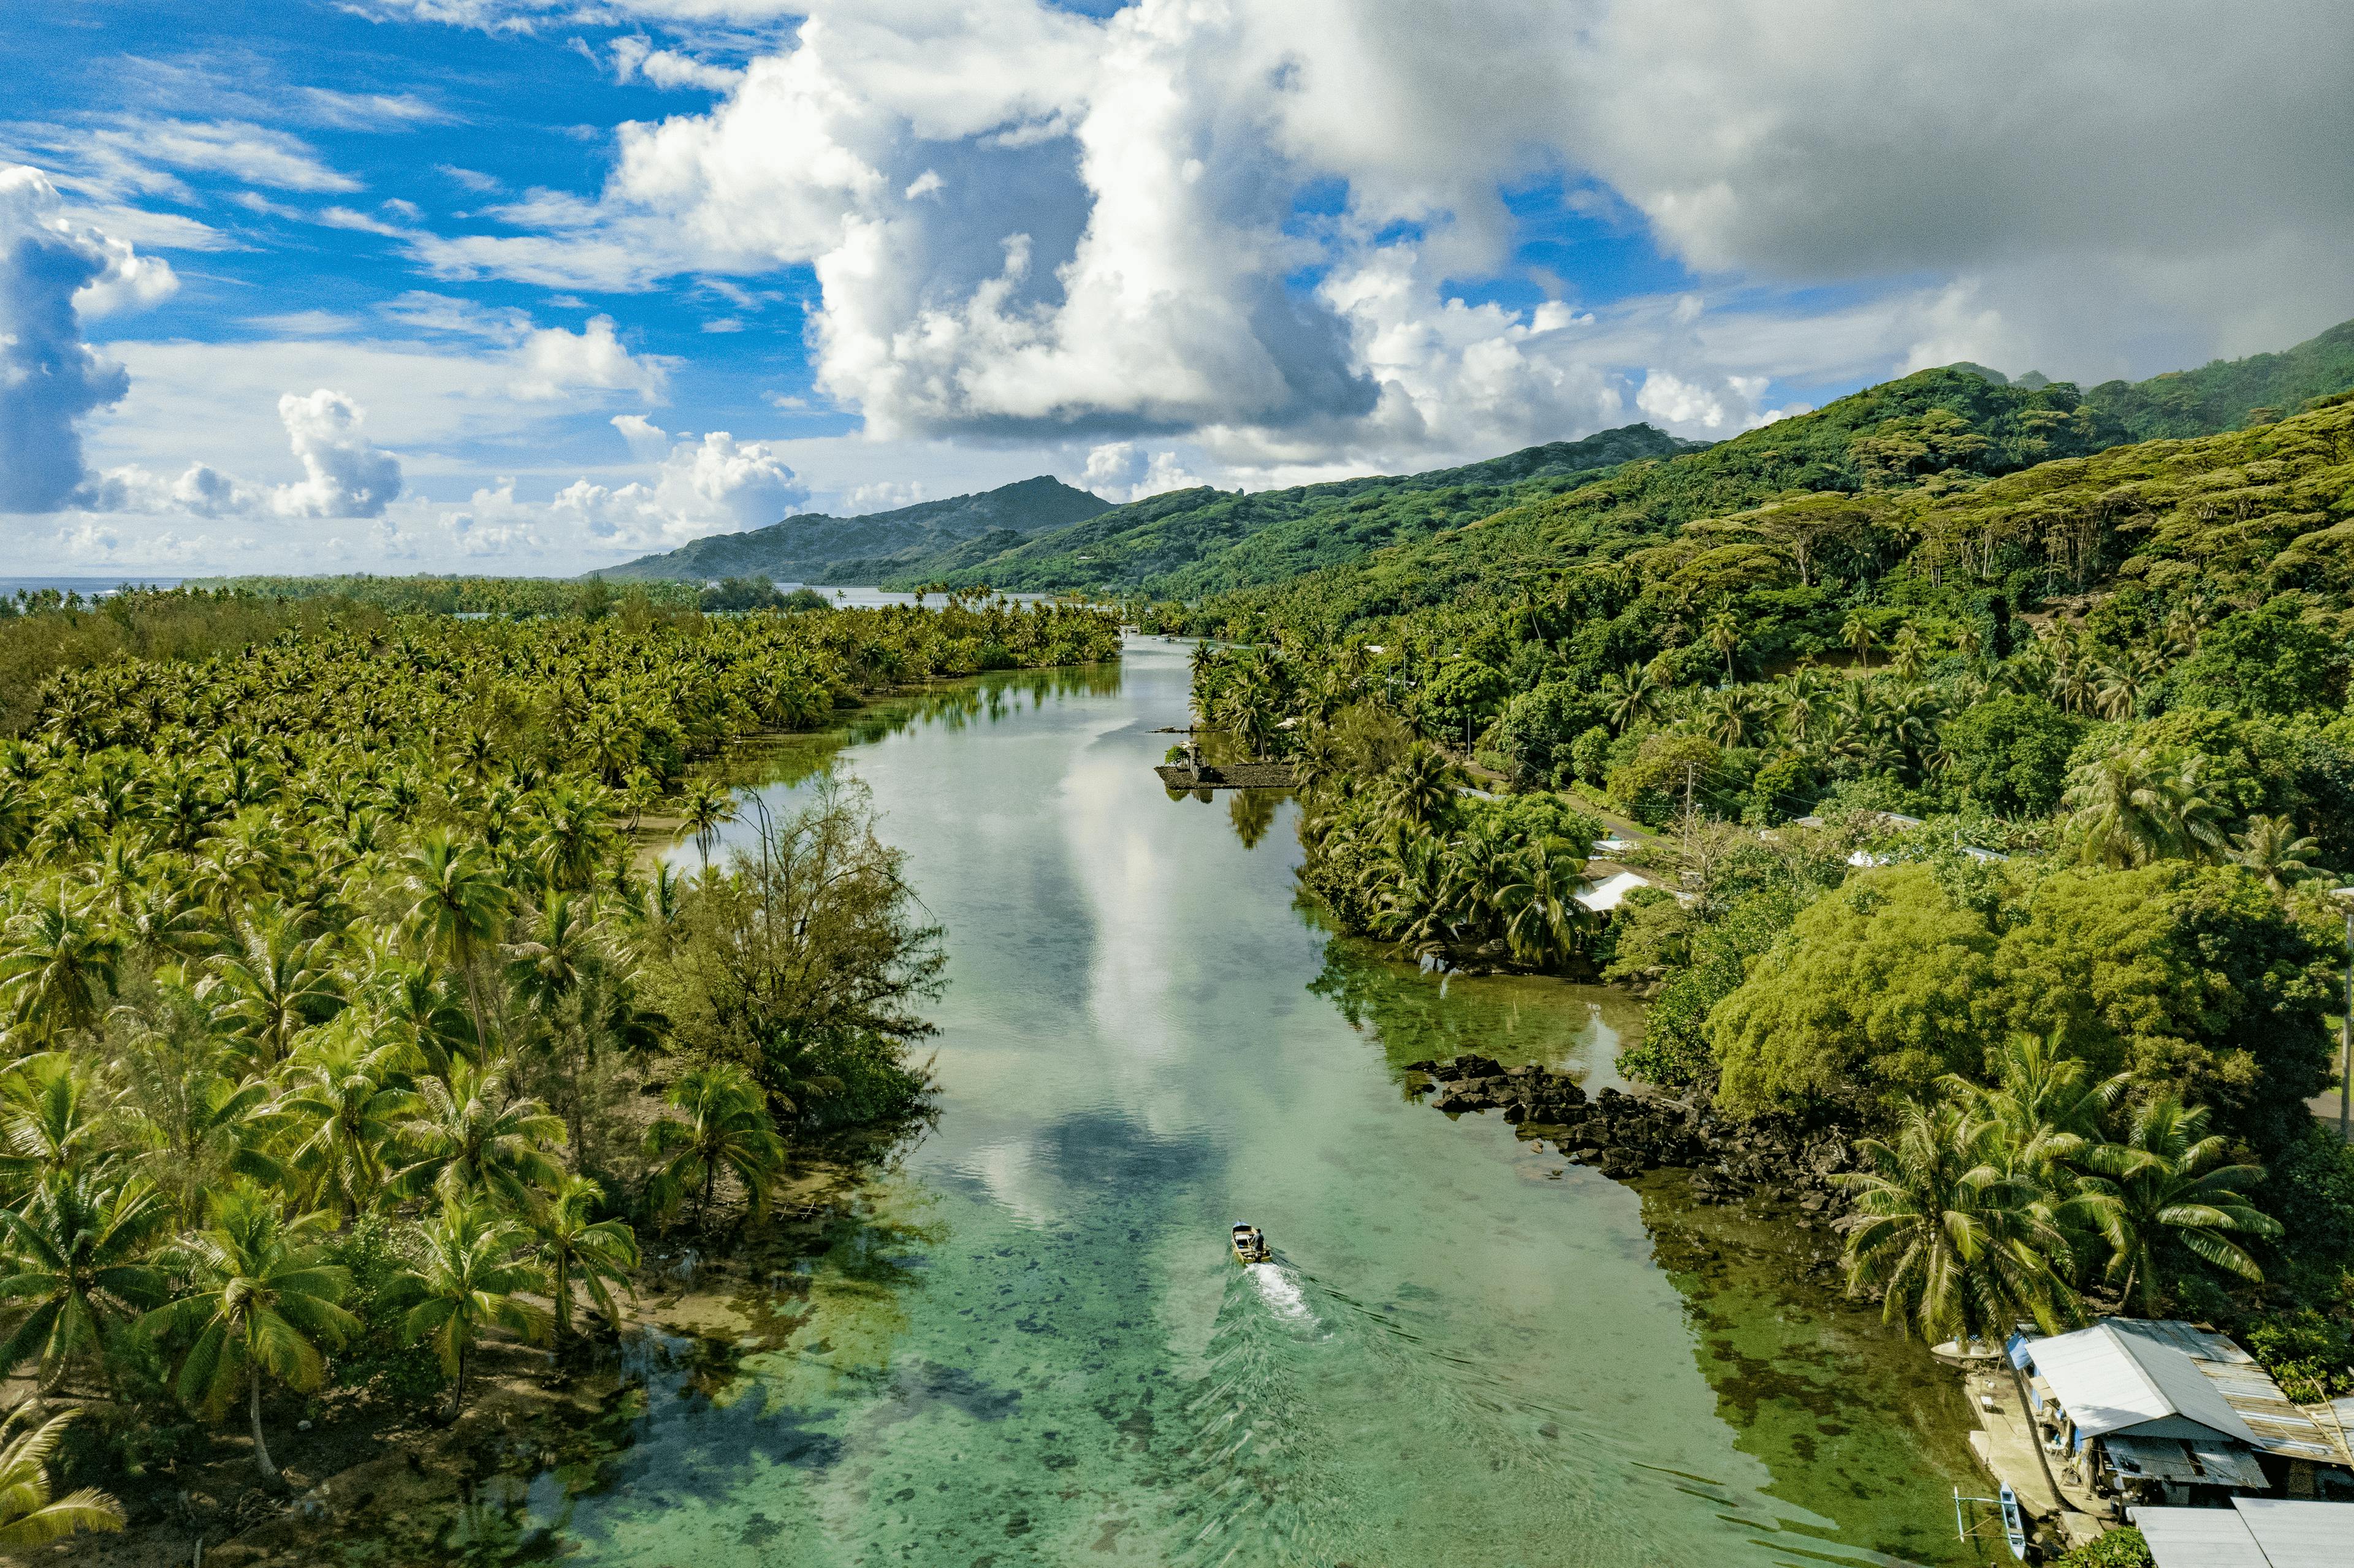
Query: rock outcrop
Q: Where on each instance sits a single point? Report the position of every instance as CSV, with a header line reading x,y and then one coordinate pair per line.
x,y
1624,1135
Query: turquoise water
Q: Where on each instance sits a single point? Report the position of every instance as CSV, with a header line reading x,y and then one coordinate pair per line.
x,y
1023,1341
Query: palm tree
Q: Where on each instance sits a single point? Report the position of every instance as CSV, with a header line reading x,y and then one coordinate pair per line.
x,y
76,1270
1857,634
474,1136
471,1280
267,988
1724,636
2274,851
261,1300
30,1517
1730,716
1545,922
457,907
2135,806
723,1126
1908,653
1422,786
346,1105
2045,1111
2162,1181
1961,1247
583,1252
52,1119
205,1126
705,809
548,970
1629,697
2117,692
56,964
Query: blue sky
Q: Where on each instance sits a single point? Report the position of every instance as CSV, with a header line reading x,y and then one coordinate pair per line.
x,y
533,285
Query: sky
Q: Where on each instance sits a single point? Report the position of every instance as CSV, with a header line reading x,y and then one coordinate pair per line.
x,y
533,286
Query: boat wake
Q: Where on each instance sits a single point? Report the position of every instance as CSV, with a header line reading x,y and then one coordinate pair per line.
x,y
1278,1286
1279,1429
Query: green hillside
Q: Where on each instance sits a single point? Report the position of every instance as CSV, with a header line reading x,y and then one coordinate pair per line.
x,y
2227,394
819,548
1936,429
1188,542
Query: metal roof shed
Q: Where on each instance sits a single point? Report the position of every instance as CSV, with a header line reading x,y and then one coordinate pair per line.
x,y
2253,1533
2109,1381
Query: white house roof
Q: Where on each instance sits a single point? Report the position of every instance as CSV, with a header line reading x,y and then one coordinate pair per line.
x,y
2112,1381
1611,891
2253,1533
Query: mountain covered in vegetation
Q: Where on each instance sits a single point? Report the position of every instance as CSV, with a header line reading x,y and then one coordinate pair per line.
x,y
819,548
2226,394
1187,542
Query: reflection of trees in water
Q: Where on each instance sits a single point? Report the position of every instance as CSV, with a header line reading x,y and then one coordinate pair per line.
x,y
1428,1016
1252,812
793,759
1855,1423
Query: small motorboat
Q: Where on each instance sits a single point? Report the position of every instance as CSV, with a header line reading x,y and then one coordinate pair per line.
x,y
1250,1244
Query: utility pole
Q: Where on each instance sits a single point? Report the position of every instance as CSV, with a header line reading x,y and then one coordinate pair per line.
x,y
2346,1025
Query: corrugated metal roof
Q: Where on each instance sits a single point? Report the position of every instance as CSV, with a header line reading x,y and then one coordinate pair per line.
x,y
2300,1534
2192,1462
2280,1427
2109,1381
2253,1533
2198,1538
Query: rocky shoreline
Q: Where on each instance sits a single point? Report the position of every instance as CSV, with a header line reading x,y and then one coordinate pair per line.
x,y
1626,1135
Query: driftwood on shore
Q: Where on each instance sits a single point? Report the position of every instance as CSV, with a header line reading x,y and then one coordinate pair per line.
x,y
1226,776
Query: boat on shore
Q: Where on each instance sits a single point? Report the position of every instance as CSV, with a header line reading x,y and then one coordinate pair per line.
x,y
1249,1242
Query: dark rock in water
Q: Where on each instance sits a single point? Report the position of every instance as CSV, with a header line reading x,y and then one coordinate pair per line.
x,y
1473,1066
1422,1066
1445,1072
1623,1162
1517,1112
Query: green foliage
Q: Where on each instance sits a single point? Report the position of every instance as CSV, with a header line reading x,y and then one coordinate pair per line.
x,y
1460,700
2010,754
30,1515
2268,660
377,1362
2120,1548
801,966
1537,731
1665,771
1881,987
2310,1356
427,595
2192,976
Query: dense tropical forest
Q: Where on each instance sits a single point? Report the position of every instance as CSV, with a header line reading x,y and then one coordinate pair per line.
x,y
352,1018
1991,771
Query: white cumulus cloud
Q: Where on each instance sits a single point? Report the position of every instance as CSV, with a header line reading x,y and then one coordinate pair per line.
x,y
717,484
344,473
53,271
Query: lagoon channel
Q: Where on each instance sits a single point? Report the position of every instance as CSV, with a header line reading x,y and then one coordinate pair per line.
x,y
1021,1340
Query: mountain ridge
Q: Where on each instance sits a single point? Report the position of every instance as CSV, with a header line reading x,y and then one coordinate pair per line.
x,y
812,547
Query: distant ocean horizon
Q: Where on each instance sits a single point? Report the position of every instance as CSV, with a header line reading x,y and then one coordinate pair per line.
x,y
859,598
86,586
